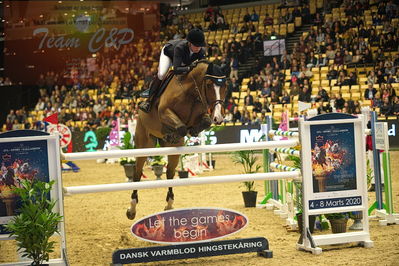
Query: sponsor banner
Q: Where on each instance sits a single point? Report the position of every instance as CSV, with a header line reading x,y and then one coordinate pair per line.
x,y
393,136
194,250
189,225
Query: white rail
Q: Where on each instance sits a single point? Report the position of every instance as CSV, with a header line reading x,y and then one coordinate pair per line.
x,y
180,182
178,150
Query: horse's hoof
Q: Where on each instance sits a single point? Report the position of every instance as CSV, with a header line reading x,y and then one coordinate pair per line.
x,y
182,131
170,205
206,122
130,215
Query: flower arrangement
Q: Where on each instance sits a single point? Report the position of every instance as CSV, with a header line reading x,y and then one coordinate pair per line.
x,y
158,160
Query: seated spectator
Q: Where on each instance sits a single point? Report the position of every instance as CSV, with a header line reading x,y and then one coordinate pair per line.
x,y
332,73
247,17
266,105
322,95
212,25
244,28
228,117
386,108
252,84
294,88
305,95
268,20
377,102
285,99
234,28
248,99
367,57
371,78
257,105
347,57
236,115
339,102
265,92
330,53
395,106
381,77
245,118
254,16
274,99
358,58
370,92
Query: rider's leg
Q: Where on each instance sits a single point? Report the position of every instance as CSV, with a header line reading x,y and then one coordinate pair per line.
x,y
164,64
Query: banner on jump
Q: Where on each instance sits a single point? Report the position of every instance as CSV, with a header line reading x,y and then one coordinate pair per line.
x,y
194,250
189,225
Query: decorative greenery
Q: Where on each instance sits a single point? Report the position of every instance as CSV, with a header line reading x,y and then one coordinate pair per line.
x,y
127,145
248,160
158,160
337,215
101,134
298,184
214,128
36,222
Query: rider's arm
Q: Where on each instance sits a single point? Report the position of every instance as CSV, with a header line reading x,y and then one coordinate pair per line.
x,y
177,61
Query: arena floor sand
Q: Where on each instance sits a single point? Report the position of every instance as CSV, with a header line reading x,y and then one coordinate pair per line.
x,y
96,224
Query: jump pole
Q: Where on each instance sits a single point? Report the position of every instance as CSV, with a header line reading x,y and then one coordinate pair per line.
x,y
178,150
180,182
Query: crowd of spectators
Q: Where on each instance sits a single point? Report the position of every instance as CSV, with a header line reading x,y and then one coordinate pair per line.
x,y
341,45
338,44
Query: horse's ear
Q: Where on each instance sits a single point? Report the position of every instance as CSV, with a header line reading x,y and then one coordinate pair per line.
x,y
226,69
209,70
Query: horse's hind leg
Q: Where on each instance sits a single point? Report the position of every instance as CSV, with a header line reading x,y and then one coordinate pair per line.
x,y
131,212
173,161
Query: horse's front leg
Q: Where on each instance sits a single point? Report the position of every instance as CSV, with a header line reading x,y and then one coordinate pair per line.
x,y
173,161
131,212
172,126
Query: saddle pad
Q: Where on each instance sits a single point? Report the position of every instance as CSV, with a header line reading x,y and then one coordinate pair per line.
x,y
164,83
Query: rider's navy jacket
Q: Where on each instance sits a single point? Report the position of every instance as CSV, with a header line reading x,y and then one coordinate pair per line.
x,y
179,52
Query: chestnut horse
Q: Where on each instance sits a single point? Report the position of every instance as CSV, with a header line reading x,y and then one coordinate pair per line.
x,y
189,105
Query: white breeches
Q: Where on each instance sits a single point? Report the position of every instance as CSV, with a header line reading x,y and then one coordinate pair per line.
x,y
164,63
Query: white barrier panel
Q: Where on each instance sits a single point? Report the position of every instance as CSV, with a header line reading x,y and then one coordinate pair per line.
x,y
181,182
179,150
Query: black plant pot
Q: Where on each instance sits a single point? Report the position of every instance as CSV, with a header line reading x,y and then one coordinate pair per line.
x,y
312,221
129,171
249,198
183,174
213,163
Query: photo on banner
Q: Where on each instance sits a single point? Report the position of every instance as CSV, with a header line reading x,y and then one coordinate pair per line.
x,y
333,157
27,160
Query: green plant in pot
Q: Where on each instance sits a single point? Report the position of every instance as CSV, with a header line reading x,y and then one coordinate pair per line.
x,y
248,161
157,165
338,221
36,221
298,201
129,164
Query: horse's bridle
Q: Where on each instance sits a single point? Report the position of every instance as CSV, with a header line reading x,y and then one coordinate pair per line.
x,y
205,103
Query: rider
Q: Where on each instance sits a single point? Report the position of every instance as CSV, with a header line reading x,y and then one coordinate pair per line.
x,y
179,54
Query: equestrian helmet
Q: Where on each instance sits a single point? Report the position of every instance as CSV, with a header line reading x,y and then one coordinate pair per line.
x,y
196,37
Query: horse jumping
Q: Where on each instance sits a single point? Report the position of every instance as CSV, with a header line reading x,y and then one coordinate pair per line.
x,y
189,105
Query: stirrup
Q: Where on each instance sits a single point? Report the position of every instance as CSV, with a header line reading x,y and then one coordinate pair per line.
x,y
145,107
145,94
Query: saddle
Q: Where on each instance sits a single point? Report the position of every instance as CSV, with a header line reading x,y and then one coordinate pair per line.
x,y
164,84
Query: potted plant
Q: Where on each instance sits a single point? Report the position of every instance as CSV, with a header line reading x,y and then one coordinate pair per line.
x,y
248,160
157,165
298,198
338,221
129,164
36,221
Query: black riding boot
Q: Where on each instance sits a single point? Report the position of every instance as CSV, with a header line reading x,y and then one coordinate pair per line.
x,y
154,86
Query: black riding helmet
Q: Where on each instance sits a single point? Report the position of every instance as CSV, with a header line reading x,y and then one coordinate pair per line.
x,y
196,37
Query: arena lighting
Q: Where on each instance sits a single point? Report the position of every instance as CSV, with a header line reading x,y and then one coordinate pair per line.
x,y
59,2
